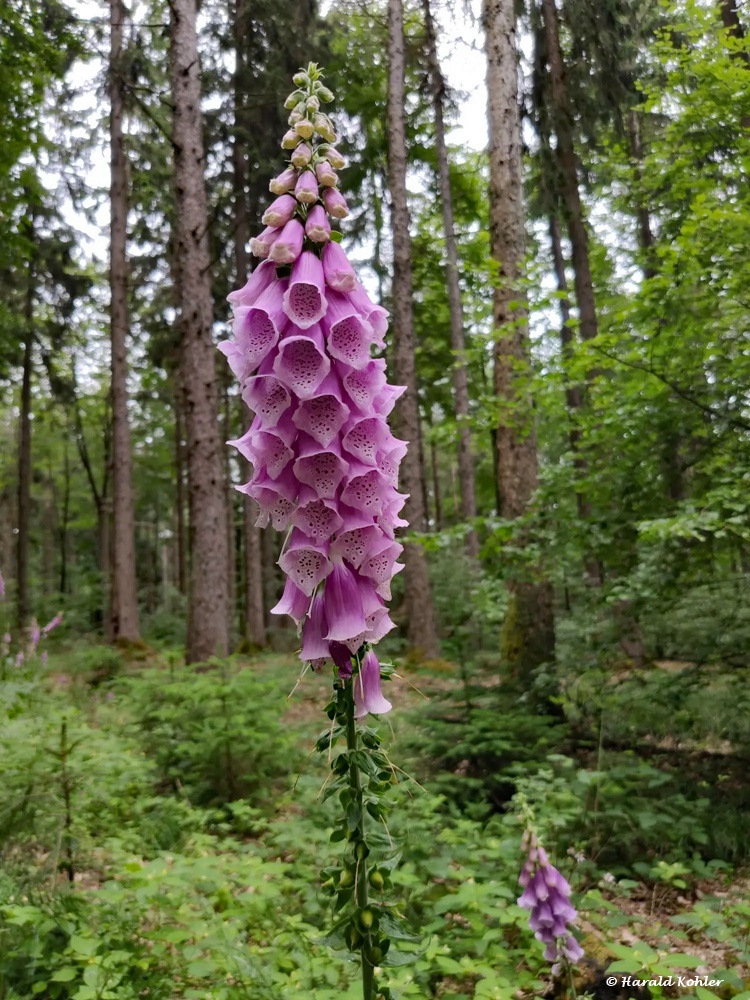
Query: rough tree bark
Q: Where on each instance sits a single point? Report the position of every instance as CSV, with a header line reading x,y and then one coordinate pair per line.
x,y
460,380
124,604
254,616
562,118
208,612
528,639
420,613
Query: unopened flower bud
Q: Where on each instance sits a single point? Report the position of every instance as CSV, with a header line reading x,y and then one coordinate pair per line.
x,y
322,125
376,880
324,94
339,273
294,117
361,851
367,918
346,878
284,182
353,938
301,155
294,99
260,246
280,211
306,190
335,203
304,128
313,104
325,173
291,139
317,226
335,158
301,79
287,246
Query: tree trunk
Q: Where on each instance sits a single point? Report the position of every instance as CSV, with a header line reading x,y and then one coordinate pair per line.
x,y
563,126
49,534
645,232
460,379
23,610
124,605
64,521
436,491
208,620
528,639
420,613
254,608
573,393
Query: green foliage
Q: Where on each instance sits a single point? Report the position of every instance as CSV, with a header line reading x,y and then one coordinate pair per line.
x,y
214,735
225,900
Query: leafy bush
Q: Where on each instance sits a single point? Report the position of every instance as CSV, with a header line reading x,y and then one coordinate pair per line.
x,y
215,737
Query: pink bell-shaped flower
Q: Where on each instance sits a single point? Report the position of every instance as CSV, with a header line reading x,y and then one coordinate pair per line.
x,y
368,696
343,605
305,300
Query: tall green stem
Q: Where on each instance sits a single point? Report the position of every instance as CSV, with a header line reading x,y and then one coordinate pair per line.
x,y
355,781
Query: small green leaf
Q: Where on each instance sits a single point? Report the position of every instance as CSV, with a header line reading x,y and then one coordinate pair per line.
x,y
65,974
84,946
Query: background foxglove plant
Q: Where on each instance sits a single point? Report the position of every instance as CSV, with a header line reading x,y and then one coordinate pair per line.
x,y
546,894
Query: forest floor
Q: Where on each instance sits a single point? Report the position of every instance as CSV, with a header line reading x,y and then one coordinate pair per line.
x,y
659,916
152,745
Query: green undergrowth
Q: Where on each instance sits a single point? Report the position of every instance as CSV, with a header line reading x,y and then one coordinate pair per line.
x,y
162,829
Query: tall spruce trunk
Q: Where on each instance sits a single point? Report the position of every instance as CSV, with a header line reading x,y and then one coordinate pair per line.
x,y
528,636
562,118
23,609
124,603
208,612
254,609
455,308
422,634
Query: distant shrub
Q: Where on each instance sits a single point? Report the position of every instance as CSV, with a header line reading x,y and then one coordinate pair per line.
x,y
215,736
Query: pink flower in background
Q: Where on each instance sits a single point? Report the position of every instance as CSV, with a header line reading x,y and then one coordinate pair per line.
x,y
35,634
52,624
325,463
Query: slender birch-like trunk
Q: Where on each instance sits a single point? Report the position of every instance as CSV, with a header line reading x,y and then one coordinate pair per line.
x,y
455,307
124,602
208,612
562,118
421,617
24,469
254,610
